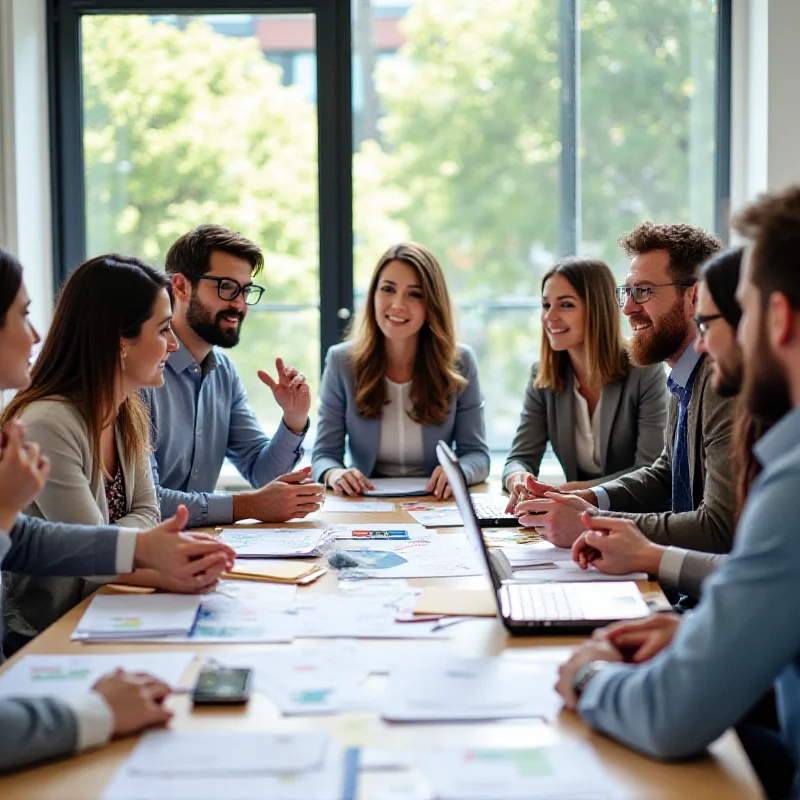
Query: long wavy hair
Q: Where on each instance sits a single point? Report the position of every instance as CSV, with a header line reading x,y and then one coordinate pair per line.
x,y
594,285
104,300
436,377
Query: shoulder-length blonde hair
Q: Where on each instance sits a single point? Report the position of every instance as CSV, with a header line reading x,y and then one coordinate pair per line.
x,y
105,299
594,285
436,376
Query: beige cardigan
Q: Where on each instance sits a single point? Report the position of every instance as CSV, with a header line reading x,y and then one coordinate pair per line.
x,y
75,493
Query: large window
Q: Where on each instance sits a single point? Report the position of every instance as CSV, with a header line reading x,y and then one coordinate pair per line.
x,y
501,137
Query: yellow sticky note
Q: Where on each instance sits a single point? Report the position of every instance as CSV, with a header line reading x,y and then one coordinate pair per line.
x,y
456,602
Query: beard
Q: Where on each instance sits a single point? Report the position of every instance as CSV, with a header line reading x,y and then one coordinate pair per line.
x,y
765,388
663,340
209,327
728,381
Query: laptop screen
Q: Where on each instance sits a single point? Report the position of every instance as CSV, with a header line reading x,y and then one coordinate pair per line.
x,y
458,483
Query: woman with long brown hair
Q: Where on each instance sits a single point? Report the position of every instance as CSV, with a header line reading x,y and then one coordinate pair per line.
x,y
400,384
109,338
602,415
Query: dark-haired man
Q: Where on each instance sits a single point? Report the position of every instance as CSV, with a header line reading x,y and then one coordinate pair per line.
x,y
744,635
201,414
686,497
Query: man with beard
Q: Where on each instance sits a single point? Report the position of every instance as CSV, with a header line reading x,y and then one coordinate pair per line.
x,y
744,635
201,414
621,547
686,497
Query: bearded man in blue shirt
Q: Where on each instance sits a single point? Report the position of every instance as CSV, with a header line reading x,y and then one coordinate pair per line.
x,y
201,415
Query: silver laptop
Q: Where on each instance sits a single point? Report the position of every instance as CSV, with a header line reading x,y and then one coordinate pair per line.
x,y
530,608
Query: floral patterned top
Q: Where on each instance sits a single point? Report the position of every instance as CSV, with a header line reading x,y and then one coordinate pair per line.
x,y
115,496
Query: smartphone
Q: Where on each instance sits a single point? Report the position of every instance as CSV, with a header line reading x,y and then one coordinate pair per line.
x,y
222,685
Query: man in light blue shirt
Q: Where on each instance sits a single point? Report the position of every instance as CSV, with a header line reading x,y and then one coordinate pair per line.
x,y
684,498
744,636
201,414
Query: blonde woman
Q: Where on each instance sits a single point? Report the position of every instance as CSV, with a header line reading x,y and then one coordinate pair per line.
x,y
399,384
603,416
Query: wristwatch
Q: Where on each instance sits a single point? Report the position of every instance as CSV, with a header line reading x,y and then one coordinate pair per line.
x,y
585,674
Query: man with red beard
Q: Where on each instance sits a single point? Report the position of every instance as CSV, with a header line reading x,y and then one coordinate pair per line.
x,y
686,498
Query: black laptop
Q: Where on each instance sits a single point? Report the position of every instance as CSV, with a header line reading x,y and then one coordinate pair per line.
x,y
530,608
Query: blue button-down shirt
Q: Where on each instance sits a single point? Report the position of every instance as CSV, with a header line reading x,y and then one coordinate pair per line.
x,y
200,416
681,377
744,636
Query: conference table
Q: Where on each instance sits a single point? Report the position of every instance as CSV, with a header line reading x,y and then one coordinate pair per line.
x,y
724,772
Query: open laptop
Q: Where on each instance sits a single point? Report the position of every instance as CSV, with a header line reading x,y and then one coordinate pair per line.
x,y
530,608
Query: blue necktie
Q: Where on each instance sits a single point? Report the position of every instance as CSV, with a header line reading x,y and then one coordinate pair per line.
x,y
681,482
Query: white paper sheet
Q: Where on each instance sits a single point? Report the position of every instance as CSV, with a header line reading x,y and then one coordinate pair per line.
x,y
566,771
319,679
130,616
569,571
435,516
339,505
241,611
445,555
350,617
273,542
398,487
64,675
536,553
345,531
326,781
457,689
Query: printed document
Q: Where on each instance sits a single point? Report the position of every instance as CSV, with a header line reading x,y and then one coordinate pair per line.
x,y
273,542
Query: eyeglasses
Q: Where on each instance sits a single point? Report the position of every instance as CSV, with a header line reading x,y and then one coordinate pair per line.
x,y
641,294
229,289
701,323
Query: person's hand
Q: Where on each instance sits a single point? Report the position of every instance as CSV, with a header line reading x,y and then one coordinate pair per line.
x,y
136,700
558,516
292,394
641,639
23,473
515,485
351,481
592,650
438,485
616,547
290,496
189,562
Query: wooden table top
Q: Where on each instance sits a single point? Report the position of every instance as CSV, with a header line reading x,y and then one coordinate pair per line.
x,y
724,773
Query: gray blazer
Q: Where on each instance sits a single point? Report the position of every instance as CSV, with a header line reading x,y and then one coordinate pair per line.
x,y
633,415
38,728
339,420
74,493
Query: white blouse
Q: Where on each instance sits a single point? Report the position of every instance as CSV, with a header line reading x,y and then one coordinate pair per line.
x,y
587,435
400,452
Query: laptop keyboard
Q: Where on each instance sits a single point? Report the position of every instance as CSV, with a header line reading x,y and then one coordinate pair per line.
x,y
543,602
490,507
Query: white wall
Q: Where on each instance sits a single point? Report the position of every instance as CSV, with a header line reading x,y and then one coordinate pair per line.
x,y
765,146
25,220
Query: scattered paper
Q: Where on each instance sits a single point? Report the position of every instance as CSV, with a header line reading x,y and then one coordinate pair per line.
x,y
64,675
435,515
338,505
328,778
458,689
271,571
398,487
568,571
241,612
566,771
274,542
390,532
131,616
445,555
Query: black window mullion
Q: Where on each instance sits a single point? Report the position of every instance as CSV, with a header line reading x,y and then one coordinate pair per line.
x,y
722,171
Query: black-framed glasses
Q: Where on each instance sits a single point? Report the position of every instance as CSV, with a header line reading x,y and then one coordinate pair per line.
x,y
701,322
641,294
229,289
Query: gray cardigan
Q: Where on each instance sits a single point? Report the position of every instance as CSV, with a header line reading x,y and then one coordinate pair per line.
x,y
74,493
339,420
633,415
37,728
